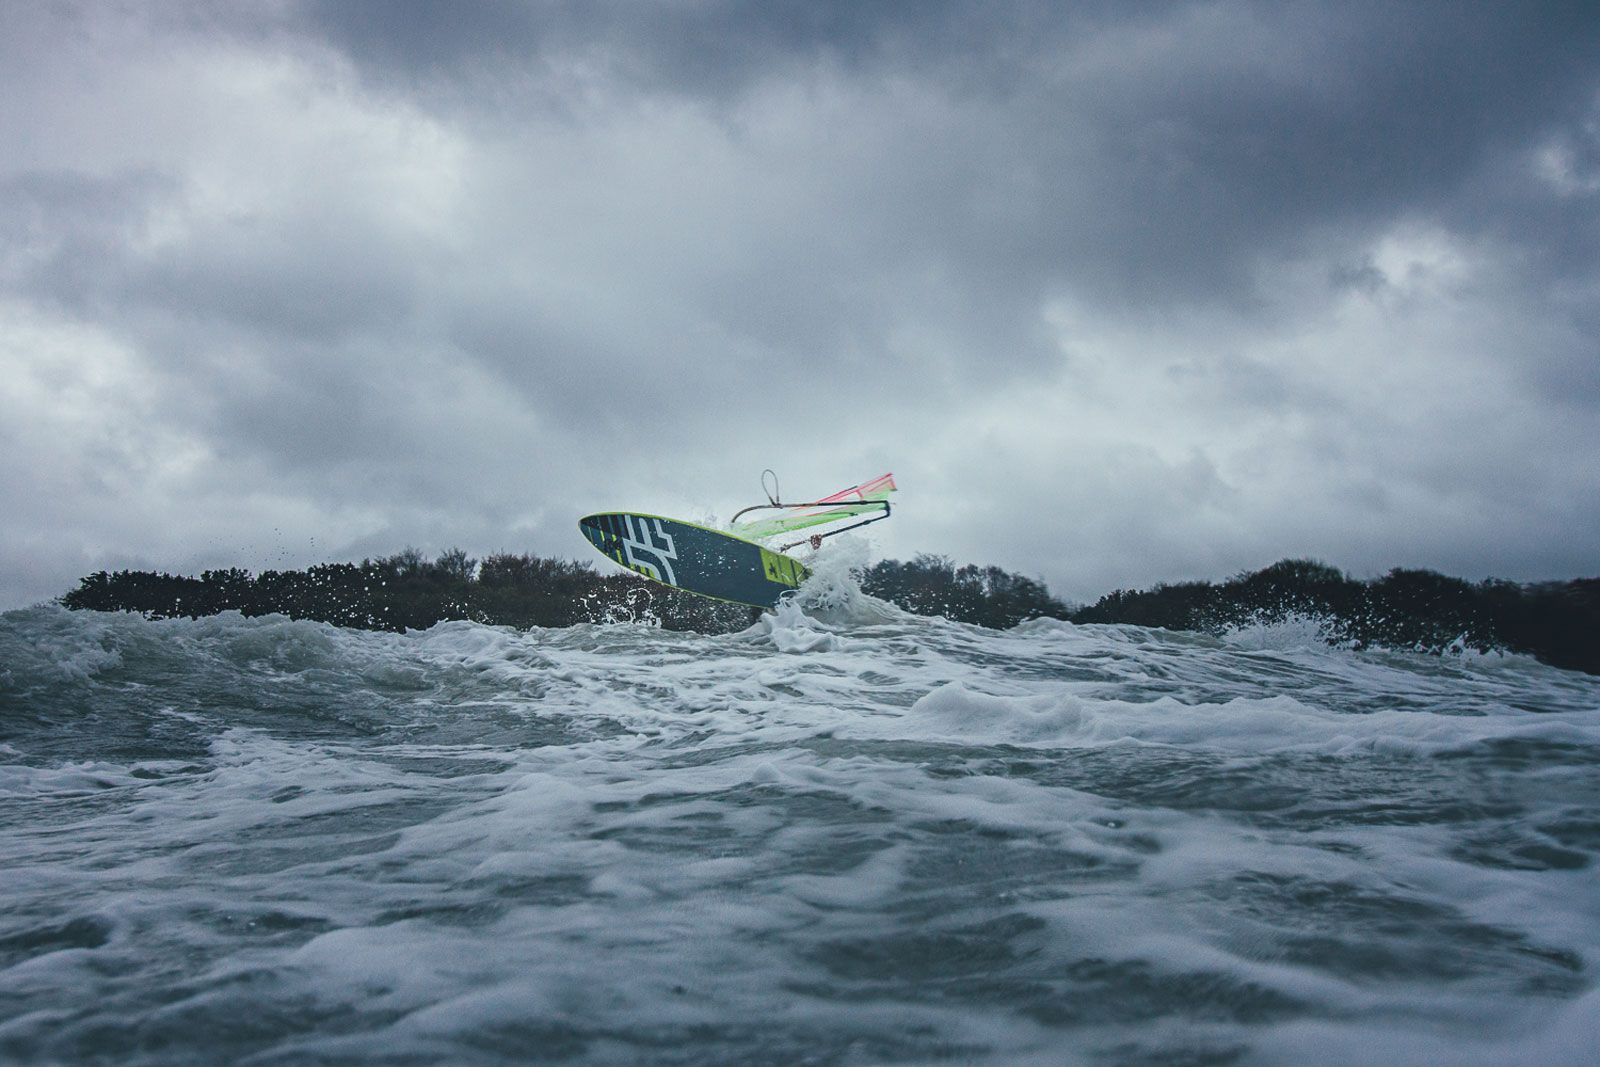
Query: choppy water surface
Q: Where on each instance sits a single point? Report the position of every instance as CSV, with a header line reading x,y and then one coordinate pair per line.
x,y
849,836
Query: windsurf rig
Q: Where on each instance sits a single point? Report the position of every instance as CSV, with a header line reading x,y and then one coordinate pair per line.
x,y
869,499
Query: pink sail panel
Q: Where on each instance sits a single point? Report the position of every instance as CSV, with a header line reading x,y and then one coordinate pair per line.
x,y
878,488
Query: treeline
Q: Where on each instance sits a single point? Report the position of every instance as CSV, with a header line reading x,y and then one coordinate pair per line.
x,y
986,596
1557,622
408,591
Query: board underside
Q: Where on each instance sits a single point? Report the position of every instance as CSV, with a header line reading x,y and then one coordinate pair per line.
x,y
693,558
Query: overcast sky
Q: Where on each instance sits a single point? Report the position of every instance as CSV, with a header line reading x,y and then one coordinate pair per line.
x,y
1122,293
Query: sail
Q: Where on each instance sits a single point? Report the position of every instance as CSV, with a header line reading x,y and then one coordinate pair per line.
x,y
845,504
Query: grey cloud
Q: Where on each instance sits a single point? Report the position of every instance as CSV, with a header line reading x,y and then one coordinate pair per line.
x,y
316,279
81,243
709,48
60,230
1138,159
1143,154
681,242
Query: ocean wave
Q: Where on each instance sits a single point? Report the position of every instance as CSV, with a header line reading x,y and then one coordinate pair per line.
x,y
843,834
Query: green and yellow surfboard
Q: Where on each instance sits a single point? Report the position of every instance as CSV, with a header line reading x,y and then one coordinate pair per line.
x,y
696,559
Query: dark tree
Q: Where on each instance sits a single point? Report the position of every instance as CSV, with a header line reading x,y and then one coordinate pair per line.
x,y
1558,622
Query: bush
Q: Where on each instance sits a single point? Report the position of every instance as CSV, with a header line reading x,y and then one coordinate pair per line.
x,y
1556,622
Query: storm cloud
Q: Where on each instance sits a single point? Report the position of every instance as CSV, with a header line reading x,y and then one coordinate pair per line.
x,y
1122,293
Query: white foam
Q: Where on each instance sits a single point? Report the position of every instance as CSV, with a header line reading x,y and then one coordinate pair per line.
x,y
1292,632
841,821
831,594
51,642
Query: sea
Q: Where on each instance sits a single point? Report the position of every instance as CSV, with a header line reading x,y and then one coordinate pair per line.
x,y
845,835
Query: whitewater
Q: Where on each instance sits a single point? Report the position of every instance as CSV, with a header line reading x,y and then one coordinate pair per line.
x,y
846,835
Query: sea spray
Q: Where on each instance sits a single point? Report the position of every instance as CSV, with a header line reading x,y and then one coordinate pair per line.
x,y
832,594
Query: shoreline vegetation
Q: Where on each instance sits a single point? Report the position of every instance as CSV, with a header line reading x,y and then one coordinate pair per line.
x,y
1558,623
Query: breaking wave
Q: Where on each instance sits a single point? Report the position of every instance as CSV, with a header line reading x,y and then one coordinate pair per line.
x,y
845,834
